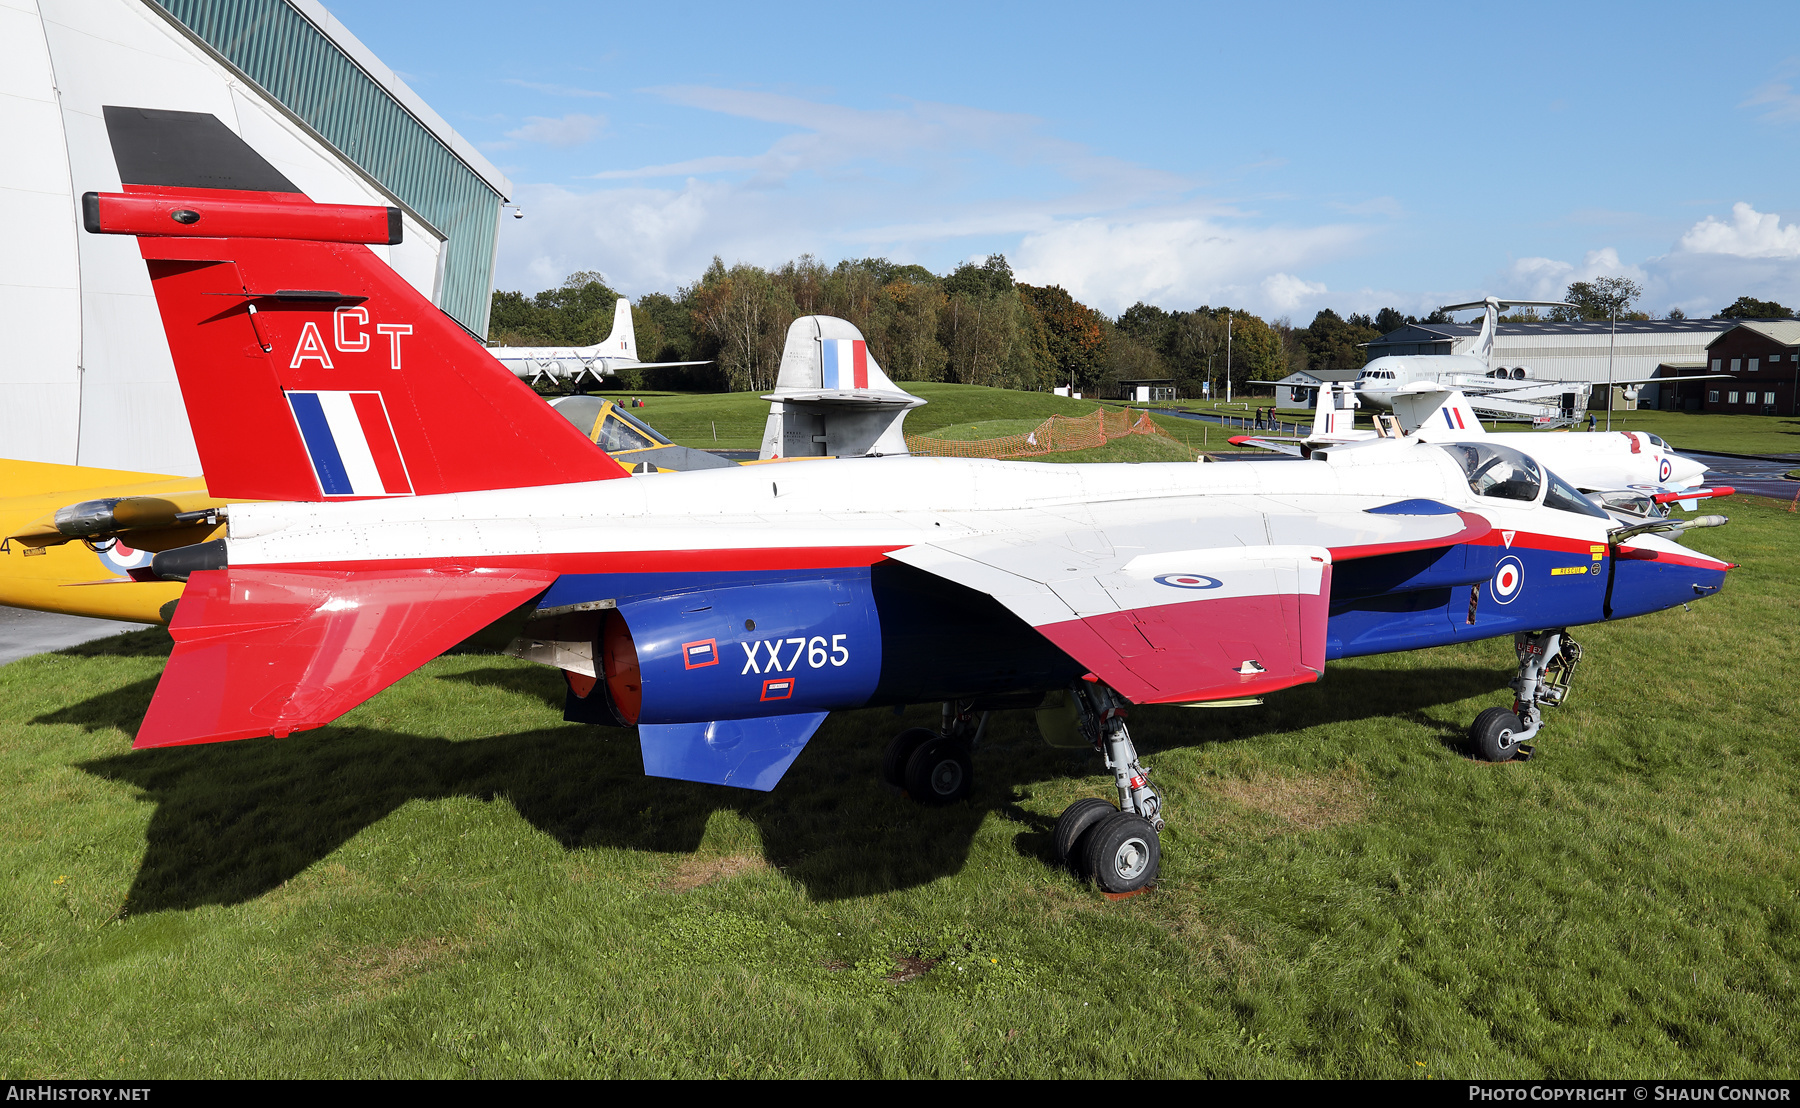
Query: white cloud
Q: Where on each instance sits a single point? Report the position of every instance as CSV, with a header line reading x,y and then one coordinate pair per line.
x,y
560,90
1777,98
1714,263
1750,234
1549,279
1287,292
917,181
573,129
1111,263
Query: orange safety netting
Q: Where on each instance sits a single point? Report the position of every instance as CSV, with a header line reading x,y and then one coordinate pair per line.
x,y
1053,436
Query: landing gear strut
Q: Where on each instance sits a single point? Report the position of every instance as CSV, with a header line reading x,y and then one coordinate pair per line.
x,y
934,767
1547,661
1116,848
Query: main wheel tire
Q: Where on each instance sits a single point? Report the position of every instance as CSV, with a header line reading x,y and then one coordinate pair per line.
x,y
940,772
1494,735
1075,821
900,751
1121,853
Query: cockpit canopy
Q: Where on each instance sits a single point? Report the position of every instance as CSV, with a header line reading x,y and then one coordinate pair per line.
x,y
1506,474
1497,471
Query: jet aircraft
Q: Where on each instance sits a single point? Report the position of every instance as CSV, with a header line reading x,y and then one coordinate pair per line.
x,y
1614,461
412,493
1496,393
566,365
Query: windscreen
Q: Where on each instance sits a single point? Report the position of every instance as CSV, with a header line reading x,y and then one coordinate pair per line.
x,y
1563,496
616,434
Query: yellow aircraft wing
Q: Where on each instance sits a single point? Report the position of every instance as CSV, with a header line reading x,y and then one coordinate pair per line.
x,y
46,570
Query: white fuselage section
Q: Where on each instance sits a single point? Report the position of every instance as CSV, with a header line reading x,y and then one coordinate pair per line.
x,y
1381,378
886,503
1600,461
532,362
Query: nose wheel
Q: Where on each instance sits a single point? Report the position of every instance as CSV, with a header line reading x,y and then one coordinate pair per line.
x,y
1117,847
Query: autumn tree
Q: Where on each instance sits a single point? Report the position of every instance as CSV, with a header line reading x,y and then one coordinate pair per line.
x,y
1073,338
746,314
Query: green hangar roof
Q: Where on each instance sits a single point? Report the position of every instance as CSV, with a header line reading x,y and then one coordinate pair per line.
x,y
305,60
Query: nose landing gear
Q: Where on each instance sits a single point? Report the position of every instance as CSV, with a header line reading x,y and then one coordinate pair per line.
x,y
1547,661
1116,848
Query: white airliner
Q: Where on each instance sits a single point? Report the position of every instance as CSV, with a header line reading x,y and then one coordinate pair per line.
x,y
1495,393
567,365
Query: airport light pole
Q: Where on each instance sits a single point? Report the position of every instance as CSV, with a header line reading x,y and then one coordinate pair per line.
x,y
1610,340
1228,355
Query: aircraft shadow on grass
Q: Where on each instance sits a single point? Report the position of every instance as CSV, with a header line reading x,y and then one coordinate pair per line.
x,y
233,821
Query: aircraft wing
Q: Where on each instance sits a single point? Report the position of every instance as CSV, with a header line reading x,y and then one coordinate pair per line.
x,y
1280,446
268,652
1200,603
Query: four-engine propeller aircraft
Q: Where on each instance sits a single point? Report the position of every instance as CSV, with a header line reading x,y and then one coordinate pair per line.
x,y
566,365
414,493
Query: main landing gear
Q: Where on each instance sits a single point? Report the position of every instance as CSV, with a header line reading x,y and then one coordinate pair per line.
x,y
1117,848
934,767
1113,845
1547,661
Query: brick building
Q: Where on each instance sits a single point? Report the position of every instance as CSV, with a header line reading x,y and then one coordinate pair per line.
x,y
1762,359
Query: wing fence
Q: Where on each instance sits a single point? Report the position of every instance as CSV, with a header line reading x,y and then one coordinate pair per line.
x,y
1053,436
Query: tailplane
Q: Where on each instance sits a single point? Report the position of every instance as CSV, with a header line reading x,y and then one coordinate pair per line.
x,y
1491,307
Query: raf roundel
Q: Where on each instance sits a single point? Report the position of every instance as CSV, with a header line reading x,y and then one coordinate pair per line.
x,y
1663,470
1509,575
1188,581
122,559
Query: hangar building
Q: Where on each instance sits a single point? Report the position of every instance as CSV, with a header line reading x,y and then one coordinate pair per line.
x,y
85,373
1575,351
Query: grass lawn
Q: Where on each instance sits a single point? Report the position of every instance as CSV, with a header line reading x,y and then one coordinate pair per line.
x,y
737,418
693,419
1733,434
453,882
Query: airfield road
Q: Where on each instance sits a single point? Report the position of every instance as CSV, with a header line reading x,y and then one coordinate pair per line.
x,y
1755,475
24,633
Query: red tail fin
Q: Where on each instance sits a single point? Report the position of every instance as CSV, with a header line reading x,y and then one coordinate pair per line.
x,y
312,371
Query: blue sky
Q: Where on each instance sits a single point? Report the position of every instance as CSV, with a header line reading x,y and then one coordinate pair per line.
x,y
1278,157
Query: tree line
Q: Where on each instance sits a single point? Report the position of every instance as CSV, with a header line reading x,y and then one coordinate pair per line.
x,y
975,325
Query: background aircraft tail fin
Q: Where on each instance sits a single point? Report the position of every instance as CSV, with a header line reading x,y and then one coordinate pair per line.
x,y
621,342
1438,411
831,399
1490,320
1334,417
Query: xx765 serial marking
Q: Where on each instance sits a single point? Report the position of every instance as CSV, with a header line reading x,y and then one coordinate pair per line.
x,y
815,649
